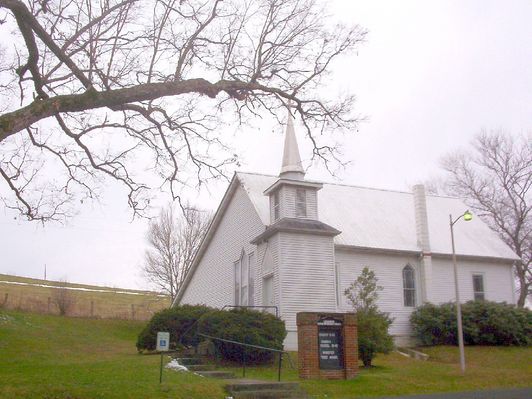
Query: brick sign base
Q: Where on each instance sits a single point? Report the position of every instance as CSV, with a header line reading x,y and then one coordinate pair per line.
x,y
327,345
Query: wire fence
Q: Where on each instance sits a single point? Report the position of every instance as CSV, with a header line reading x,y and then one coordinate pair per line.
x,y
105,304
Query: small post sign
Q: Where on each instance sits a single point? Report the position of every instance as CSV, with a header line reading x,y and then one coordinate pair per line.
x,y
162,345
163,341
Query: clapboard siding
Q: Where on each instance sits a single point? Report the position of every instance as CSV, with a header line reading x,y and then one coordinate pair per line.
x,y
307,275
498,280
268,264
388,270
212,282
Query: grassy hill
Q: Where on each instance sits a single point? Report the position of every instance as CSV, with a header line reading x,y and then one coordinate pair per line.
x,y
40,296
53,357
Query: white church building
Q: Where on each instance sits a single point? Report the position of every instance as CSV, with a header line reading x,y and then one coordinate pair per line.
x,y
297,244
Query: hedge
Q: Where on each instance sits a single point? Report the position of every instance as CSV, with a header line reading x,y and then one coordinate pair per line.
x,y
247,326
176,320
484,323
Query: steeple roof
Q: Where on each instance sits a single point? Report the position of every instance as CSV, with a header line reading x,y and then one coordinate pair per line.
x,y
291,167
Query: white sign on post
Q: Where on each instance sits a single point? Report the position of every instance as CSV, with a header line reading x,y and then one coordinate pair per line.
x,y
163,341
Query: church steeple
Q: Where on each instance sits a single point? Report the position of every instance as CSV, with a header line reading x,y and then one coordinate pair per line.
x,y
291,196
291,167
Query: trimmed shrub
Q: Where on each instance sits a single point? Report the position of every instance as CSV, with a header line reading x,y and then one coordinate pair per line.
x,y
247,326
484,323
373,336
176,320
372,324
435,324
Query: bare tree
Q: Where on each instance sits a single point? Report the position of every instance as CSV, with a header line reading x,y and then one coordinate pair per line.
x,y
173,243
133,91
63,298
494,176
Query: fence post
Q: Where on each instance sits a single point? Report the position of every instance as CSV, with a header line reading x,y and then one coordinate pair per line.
x,y
244,362
161,370
280,364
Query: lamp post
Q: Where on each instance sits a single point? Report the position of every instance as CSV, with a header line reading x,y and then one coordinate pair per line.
x,y
467,217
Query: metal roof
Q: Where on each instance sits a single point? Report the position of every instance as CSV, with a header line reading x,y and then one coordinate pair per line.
x,y
384,219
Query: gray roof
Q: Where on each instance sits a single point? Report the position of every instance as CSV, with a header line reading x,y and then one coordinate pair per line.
x,y
384,219
297,225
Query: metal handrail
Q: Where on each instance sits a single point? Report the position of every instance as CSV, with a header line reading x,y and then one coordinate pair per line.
x,y
279,351
224,307
243,344
254,306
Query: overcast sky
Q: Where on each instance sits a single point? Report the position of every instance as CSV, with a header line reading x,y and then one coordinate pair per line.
x,y
430,76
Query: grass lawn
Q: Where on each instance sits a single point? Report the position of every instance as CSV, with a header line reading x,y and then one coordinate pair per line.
x,y
43,356
394,374
52,357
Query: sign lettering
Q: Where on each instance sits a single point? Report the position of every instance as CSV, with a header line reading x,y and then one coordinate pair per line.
x,y
330,345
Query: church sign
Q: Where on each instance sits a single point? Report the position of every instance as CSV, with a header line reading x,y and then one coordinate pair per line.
x,y
330,344
327,345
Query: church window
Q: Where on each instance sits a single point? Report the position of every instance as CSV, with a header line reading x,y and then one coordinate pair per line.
x,y
267,291
276,206
251,289
337,282
244,284
237,282
478,287
244,280
301,203
409,286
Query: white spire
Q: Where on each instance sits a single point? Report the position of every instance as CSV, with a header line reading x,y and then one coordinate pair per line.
x,y
291,168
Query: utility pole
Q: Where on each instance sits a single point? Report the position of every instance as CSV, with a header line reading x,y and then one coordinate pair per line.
x,y
45,271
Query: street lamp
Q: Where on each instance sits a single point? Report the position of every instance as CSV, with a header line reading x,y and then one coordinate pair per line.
x,y
467,217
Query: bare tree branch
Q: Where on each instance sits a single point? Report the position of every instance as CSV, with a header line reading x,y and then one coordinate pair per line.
x,y
495,179
173,242
154,81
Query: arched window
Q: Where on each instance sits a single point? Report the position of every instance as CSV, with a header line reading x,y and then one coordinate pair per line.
x,y
409,286
244,278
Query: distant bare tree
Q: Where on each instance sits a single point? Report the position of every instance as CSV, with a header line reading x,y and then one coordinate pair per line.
x,y
63,298
174,240
494,177
90,87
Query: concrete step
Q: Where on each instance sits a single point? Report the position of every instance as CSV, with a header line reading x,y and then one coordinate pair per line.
x,y
216,374
270,394
255,385
187,352
201,367
187,361
255,389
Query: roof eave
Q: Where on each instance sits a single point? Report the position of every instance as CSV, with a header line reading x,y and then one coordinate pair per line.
x,y
293,182
280,226
419,252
